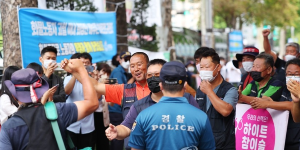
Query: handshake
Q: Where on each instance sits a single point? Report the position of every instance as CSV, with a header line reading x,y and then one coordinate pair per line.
x,y
72,65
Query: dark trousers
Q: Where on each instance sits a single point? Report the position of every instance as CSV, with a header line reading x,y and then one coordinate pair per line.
x,y
82,140
116,119
102,143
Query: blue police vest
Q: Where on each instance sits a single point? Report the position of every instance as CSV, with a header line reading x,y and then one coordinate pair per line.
x,y
223,127
145,103
129,97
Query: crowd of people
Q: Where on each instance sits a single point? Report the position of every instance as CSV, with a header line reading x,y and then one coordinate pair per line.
x,y
145,104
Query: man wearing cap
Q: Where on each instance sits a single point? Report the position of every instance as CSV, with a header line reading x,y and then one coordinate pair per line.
x,y
218,99
29,127
247,58
168,124
123,131
291,51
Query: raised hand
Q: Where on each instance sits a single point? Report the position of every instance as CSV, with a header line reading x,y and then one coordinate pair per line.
x,y
111,132
266,32
50,69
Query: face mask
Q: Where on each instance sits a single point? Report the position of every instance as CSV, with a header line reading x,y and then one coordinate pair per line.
x,y
222,63
296,78
247,66
198,68
47,62
125,65
243,71
153,84
191,69
104,76
289,57
256,76
208,75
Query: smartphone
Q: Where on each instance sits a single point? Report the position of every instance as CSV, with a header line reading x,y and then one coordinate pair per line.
x,y
89,68
112,81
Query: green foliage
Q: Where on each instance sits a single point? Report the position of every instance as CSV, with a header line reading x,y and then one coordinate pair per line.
x,y
140,7
77,5
271,12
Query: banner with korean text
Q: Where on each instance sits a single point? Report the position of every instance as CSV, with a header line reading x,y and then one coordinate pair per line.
x,y
261,129
69,31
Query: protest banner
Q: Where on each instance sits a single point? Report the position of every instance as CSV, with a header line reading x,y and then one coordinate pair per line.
x,y
261,129
69,31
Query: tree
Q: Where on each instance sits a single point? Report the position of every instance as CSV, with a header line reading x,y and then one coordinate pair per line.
x,y
10,30
77,5
121,23
138,22
271,12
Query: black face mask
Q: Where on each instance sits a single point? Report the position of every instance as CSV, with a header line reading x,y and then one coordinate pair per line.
x,y
153,84
256,76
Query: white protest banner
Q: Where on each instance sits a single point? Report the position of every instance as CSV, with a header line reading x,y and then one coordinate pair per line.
x,y
261,129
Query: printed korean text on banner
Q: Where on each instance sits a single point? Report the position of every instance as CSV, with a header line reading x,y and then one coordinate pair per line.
x,y
69,31
261,129
235,41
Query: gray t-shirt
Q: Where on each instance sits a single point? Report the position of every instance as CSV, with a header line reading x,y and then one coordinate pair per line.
x,y
231,97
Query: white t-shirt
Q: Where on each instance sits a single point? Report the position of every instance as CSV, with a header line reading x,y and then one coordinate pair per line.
x,y
6,108
233,74
224,72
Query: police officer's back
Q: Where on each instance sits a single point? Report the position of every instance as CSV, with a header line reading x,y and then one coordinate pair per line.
x,y
172,123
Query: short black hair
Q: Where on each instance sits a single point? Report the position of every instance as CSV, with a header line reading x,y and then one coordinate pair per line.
x,y
200,51
86,55
171,88
156,62
35,66
48,49
269,61
114,61
75,56
142,53
295,61
213,54
105,67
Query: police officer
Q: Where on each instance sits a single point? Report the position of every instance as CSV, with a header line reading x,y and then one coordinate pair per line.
x,y
123,131
217,98
172,123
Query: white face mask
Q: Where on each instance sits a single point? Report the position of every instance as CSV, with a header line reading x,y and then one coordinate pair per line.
x,y
191,69
104,76
296,78
47,62
125,65
247,65
289,57
222,63
208,75
198,67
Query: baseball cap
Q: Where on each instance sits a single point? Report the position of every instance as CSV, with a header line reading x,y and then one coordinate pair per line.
x,y
125,54
173,73
190,63
27,86
249,50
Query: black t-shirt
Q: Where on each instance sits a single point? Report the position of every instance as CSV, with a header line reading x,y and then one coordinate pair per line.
x,y
280,70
